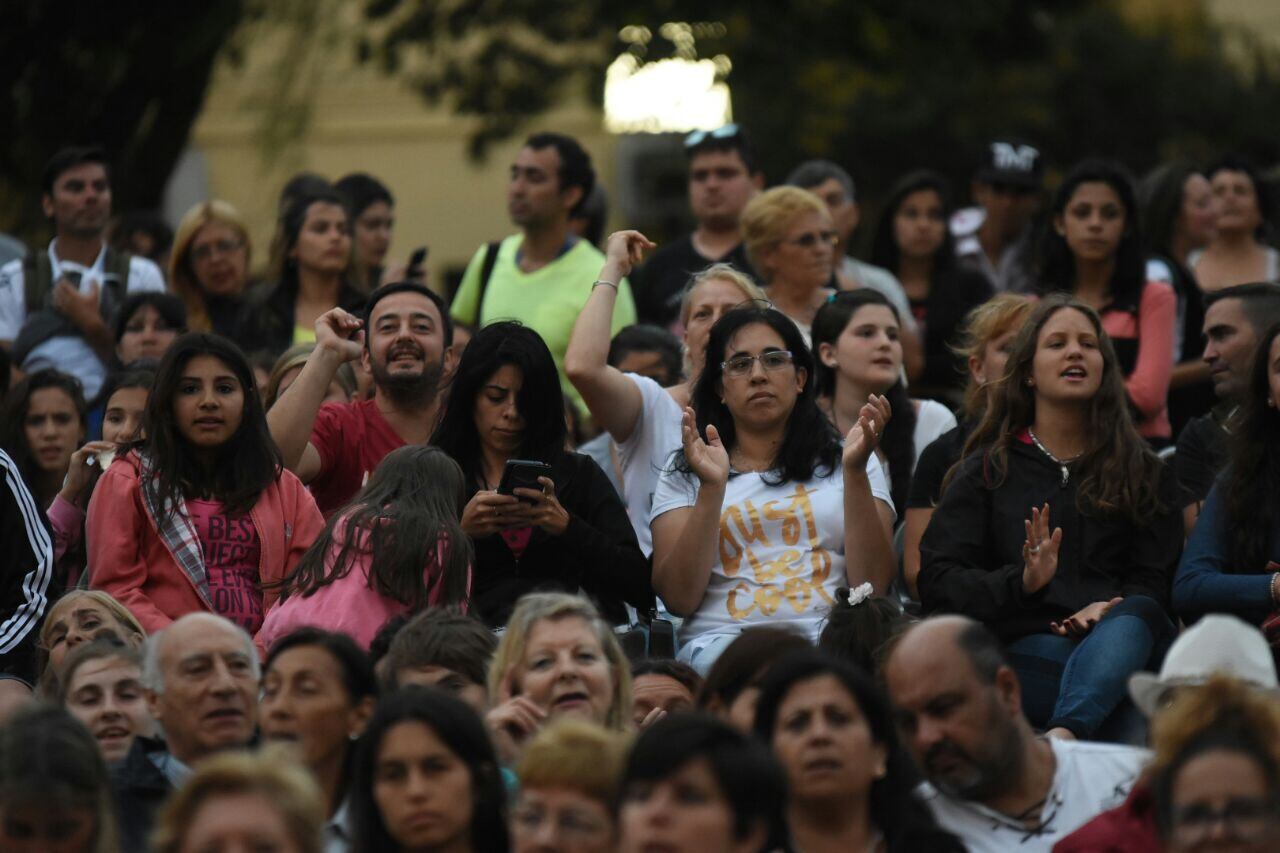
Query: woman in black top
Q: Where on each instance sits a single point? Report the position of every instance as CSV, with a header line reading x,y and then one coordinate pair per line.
x,y
913,242
505,403
1080,602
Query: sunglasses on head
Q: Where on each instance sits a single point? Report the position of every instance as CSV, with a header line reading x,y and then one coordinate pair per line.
x,y
697,137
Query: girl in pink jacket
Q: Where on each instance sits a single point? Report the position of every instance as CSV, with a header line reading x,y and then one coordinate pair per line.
x,y
201,514
396,548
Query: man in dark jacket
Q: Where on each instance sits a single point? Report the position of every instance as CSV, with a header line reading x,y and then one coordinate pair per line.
x,y
201,675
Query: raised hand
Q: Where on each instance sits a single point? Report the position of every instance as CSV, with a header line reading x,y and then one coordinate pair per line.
x,y
1039,551
864,436
513,721
708,458
624,250
81,471
340,332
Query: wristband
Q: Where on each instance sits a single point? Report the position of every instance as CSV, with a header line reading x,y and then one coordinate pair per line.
x,y
601,281
1275,588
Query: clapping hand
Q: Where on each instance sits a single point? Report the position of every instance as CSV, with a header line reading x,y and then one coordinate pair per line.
x,y
864,436
706,457
1039,551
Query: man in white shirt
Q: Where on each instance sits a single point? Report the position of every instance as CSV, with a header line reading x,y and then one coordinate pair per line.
x,y
991,780
57,307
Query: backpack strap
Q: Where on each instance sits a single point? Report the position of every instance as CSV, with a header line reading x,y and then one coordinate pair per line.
x,y
37,281
486,273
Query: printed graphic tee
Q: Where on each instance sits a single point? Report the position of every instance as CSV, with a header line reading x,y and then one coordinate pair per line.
x,y
231,549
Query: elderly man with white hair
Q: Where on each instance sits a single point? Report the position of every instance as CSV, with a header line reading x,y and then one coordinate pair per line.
x,y
201,677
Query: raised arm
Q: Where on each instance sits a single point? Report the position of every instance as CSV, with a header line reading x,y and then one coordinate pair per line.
x,y
614,401
868,522
339,339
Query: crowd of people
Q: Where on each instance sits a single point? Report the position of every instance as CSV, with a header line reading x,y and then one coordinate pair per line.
x,y
735,543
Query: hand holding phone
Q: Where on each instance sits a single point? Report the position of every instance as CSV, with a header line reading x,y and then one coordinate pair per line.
x,y
523,474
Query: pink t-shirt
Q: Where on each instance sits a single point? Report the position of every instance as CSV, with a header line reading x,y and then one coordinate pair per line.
x,y
232,554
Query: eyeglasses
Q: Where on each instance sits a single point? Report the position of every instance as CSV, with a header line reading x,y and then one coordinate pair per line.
x,y
221,247
813,238
1245,818
741,365
728,131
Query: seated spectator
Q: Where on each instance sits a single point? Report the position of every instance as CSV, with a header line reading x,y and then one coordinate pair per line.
x,y
406,349
78,617
1216,646
1094,252
992,782
754,435
640,414
397,548
201,677
1232,561
858,354
289,366
426,751
209,267
913,242
859,626
45,420
55,794
1081,605
147,325
573,531
1238,252
569,776
1216,771
443,648
201,516
791,241
102,688
732,685
661,687
371,208
850,782
310,276
243,801
26,586
985,341
557,658
693,784
124,404
318,692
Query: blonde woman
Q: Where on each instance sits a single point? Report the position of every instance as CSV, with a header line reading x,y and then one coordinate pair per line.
x,y
290,363
209,267
78,617
557,658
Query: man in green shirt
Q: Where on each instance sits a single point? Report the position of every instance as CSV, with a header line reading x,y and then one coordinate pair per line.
x,y
543,275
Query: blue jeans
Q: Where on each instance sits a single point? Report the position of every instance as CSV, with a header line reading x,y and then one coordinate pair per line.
x,y
1079,684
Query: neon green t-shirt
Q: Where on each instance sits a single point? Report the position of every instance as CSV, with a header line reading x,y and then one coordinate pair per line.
x,y
547,300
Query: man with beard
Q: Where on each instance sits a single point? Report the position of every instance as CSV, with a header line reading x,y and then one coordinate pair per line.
x,y
405,343
991,781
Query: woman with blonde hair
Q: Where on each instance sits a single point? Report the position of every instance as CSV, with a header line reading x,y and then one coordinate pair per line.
x,y
557,658
791,241
290,364
569,779
642,417
209,267
78,617
244,800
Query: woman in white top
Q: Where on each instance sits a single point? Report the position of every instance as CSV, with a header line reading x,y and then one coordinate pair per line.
x,y
1237,253
859,353
643,417
764,515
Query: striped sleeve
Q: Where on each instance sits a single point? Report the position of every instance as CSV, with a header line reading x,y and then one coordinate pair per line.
x,y
27,576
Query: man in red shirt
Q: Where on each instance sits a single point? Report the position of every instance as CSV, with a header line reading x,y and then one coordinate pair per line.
x,y
405,342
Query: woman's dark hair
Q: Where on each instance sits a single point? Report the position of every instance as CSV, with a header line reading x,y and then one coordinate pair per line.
x,y
1057,263
857,632
745,661
885,251
361,191
48,761
284,270
541,401
357,671
402,519
170,308
1161,194
746,772
245,466
141,374
895,808
13,436
898,441
810,445
1118,473
654,339
1249,486
1262,189
456,725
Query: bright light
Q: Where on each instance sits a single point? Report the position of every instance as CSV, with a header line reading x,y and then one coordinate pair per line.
x,y
670,95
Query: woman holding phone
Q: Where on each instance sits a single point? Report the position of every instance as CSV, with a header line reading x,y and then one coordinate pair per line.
x,y
556,522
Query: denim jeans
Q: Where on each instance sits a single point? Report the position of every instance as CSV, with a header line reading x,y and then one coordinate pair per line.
x,y
1080,683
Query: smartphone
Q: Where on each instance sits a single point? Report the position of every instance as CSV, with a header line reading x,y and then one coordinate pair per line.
x,y
522,474
416,260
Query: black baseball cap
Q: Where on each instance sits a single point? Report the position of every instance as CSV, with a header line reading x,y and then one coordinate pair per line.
x,y
1011,161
